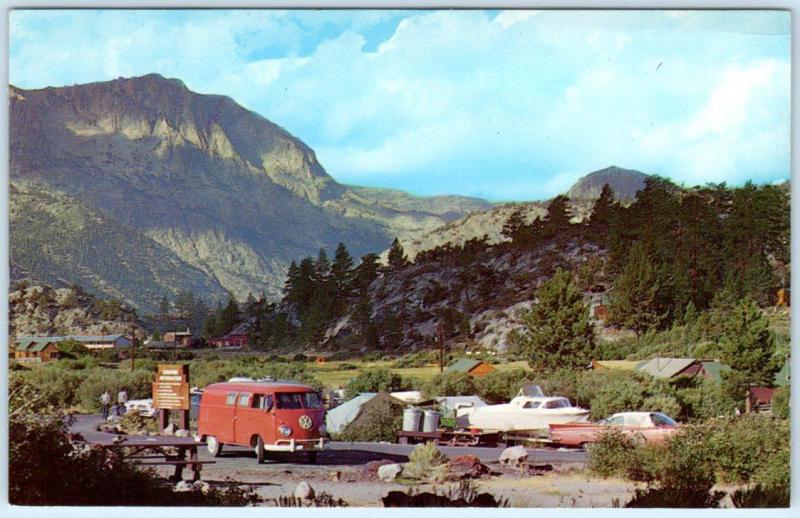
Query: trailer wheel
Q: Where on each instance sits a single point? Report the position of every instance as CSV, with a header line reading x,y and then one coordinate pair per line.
x,y
213,445
311,456
259,449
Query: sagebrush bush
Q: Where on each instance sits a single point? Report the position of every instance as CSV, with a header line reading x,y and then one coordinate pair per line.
x,y
426,463
780,402
376,380
450,384
609,455
501,386
379,422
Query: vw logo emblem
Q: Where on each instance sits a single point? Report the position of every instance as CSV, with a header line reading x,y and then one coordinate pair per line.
x,y
305,422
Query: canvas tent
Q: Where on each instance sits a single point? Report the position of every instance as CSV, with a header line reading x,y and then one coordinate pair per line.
x,y
337,418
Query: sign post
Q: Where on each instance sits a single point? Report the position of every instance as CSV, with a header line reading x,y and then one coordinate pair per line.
x,y
171,392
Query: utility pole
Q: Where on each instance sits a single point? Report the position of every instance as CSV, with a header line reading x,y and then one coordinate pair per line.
x,y
133,339
440,331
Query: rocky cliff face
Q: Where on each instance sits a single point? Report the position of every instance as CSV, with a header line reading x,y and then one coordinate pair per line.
x,y
224,191
624,182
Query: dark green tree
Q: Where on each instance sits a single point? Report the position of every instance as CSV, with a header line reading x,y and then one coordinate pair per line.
x,y
747,344
635,300
397,256
557,329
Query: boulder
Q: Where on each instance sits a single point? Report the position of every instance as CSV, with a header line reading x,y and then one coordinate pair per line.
x,y
182,433
184,486
304,491
514,457
389,472
467,466
370,469
203,487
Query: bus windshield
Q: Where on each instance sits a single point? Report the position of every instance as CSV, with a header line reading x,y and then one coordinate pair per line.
x,y
298,400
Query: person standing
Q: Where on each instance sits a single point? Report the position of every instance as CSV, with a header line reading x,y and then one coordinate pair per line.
x,y
122,398
105,403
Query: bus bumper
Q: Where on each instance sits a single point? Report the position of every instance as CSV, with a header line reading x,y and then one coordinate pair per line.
x,y
292,445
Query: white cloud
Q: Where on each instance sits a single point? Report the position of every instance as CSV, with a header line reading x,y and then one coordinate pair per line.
x,y
522,103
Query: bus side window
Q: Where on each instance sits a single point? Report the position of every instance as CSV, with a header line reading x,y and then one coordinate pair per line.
x,y
270,401
244,400
231,399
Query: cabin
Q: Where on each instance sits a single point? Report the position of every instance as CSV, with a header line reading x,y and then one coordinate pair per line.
x,y
475,368
36,350
674,367
91,342
179,338
230,340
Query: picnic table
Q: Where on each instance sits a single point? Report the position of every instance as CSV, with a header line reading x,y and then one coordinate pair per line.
x,y
158,450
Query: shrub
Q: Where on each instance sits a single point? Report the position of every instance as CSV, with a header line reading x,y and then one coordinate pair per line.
x,y
348,367
426,463
609,455
666,404
450,384
138,385
780,402
500,386
55,387
376,380
378,422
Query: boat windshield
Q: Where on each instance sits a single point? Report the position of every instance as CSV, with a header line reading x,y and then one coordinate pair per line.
x,y
557,403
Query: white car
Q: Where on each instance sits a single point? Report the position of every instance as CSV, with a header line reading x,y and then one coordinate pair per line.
x,y
143,406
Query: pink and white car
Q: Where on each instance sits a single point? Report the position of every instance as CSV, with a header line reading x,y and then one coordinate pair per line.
x,y
641,427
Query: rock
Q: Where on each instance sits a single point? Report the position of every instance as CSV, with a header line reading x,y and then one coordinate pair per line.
x,y
304,491
389,472
203,487
182,433
169,430
184,486
336,476
467,466
370,469
514,457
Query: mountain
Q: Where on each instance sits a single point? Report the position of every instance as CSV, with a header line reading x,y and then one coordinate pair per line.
x,y
624,182
219,196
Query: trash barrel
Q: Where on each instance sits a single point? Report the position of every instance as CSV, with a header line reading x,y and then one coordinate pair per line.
x,y
411,419
430,421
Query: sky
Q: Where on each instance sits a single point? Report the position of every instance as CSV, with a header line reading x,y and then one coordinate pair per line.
x,y
504,105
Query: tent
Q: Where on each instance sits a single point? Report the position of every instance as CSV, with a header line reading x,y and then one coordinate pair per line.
x,y
337,418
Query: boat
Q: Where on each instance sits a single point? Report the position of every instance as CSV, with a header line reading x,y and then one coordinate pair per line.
x,y
521,414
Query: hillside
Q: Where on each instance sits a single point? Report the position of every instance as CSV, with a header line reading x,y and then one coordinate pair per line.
x,y
41,310
489,222
228,193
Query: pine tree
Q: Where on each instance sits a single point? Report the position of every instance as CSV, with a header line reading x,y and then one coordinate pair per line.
x,y
556,221
513,224
600,220
635,300
342,275
747,344
366,272
397,257
229,316
557,329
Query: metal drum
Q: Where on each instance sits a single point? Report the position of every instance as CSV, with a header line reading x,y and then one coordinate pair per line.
x,y
411,419
430,422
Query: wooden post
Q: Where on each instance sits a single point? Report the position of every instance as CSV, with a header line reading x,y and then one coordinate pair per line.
x,y
440,330
133,340
163,419
185,419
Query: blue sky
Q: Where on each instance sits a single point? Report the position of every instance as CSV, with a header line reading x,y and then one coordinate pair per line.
x,y
506,105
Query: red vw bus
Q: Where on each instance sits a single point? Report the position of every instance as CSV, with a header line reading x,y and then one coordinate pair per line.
x,y
263,415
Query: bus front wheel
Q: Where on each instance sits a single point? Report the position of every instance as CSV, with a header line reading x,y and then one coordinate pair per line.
x,y
259,448
213,445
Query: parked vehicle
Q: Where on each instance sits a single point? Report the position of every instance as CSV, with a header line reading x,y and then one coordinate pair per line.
x,y
268,416
521,414
641,427
144,407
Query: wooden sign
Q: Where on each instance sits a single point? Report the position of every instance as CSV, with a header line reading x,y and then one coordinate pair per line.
x,y
171,389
